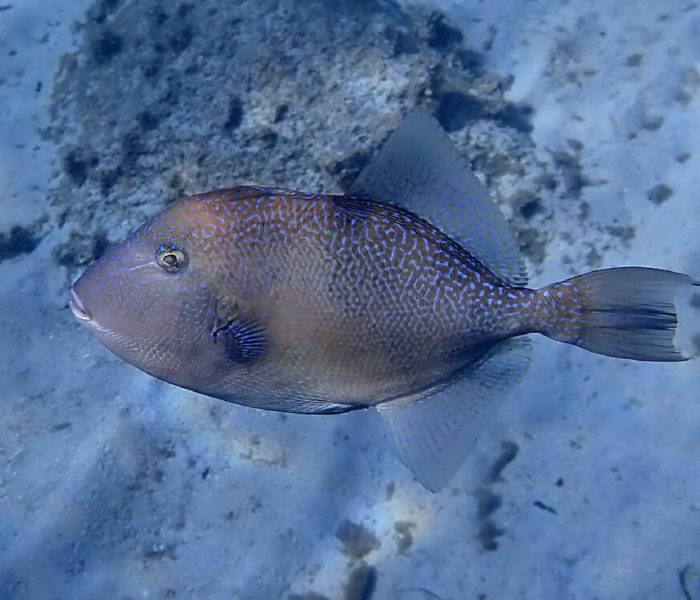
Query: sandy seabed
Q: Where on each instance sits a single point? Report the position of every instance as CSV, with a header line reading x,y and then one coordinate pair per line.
x,y
583,120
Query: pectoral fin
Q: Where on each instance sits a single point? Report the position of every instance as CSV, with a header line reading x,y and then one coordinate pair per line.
x,y
238,337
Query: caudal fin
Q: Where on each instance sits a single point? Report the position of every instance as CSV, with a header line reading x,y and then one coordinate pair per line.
x,y
627,312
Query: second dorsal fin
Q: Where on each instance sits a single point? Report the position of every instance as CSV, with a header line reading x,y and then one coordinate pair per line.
x,y
419,169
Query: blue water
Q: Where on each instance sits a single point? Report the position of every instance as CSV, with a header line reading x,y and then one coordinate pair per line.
x,y
581,119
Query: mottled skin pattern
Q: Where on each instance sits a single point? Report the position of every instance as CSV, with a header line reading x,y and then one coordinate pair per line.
x,y
358,302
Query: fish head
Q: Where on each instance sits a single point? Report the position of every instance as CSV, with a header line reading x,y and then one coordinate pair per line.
x,y
152,298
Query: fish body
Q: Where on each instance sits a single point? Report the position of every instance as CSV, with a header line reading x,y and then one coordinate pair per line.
x,y
406,294
355,302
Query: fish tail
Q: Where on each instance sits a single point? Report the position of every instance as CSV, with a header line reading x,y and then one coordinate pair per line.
x,y
627,312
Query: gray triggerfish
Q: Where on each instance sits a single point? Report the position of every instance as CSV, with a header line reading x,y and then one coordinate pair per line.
x,y
407,294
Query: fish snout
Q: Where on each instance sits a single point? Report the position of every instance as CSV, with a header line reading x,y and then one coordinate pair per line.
x,y
77,307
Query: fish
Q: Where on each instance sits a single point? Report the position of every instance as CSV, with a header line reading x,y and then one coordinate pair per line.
x,y
408,294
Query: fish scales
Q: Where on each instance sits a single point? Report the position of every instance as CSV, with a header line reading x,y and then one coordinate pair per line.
x,y
364,302
407,294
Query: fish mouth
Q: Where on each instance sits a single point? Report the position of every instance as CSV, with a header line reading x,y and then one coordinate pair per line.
x,y
77,307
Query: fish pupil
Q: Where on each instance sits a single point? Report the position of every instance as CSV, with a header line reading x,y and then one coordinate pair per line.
x,y
171,260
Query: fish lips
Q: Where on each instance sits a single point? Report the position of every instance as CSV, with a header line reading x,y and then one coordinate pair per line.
x,y
77,307
121,345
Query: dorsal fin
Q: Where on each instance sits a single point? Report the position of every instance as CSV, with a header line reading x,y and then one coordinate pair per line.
x,y
421,170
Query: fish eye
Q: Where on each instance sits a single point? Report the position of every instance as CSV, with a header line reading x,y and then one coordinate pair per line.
x,y
171,260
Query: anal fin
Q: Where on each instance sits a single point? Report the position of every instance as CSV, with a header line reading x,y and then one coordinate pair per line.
x,y
432,432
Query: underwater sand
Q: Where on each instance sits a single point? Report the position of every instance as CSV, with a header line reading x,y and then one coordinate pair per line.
x,y
584,119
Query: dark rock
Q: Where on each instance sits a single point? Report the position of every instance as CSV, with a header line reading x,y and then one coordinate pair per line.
x,y
147,120
441,35
361,583
488,533
531,245
106,47
530,209
19,240
80,249
99,12
456,110
517,116
404,535
235,114
487,503
281,112
347,169
509,450
77,163
181,39
357,540
572,170
660,193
